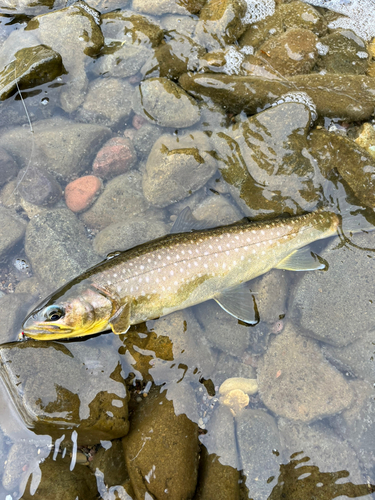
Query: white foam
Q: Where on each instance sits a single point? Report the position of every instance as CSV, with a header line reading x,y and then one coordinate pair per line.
x,y
233,59
257,10
360,15
300,97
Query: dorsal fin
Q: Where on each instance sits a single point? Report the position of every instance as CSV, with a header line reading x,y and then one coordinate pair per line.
x,y
186,222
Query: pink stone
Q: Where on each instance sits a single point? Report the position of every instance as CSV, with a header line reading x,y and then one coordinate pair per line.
x,y
116,157
81,193
138,121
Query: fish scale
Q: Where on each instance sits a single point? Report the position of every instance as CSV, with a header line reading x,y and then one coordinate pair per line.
x,y
174,272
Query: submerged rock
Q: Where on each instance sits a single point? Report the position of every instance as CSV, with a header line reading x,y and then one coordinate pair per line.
x,y
121,198
177,167
164,103
81,193
11,231
62,147
69,250
60,388
8,167
152,470
108,102
29,67
134,231
116,157
349,312
343,52
292,53
220,23
37,186
339,96
296,382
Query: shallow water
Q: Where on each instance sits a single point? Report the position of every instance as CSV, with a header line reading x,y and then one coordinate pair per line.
x,y
212,114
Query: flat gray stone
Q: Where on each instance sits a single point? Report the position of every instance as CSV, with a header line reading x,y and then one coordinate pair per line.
x,y
11,231
69,251
164,103
295,380
350,314
177,167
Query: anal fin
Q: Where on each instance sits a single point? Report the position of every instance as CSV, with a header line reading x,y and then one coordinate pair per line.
x,y
120,321
240,303
302,260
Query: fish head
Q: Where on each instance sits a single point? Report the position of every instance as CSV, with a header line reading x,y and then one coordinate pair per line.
x,y
74,314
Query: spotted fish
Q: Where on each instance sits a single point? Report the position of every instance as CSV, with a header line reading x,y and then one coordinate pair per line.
x,y
189,266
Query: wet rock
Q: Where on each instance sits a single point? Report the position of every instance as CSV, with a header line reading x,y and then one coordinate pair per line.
x,y
343,52
300,15
154,429
108,102
37,186
217,209
31,66
176,167
216,480
172,59
356,425
122,60
62,147
116,157
33,287
366,139
246,385
265,28
229,366
8,167
81,193
123,235
292,53
348,96
322,446
350,310
30,7
220,438
60,388
122,25
13,309
144,138
79,36
158,8
220,23
59,482
263,163
189,347
11,231
295,381
111,463
164,103
185,24
122,197
222,330
69,251
355,358
258,438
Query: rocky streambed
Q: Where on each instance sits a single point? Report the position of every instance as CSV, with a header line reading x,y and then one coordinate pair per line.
x,y
117,115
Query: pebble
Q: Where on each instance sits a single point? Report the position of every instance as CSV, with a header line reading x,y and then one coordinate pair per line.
x,y
81,193
366,138
37,186
248,386
236,399
11,231
116,157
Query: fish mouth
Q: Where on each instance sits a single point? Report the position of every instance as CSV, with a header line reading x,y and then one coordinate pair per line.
x,y
46,329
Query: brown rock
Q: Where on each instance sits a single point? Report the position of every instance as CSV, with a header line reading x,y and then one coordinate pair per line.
x,y
292,53
81,193
296,382
116,157
161,451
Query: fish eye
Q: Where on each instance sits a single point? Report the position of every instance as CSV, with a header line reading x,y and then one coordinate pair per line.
x,y
54,313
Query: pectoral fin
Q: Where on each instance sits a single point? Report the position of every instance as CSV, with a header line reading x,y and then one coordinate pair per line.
x,y
120,321
240,303
302,260
186,222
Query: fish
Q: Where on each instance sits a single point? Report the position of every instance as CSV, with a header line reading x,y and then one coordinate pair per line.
x,y
192,264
